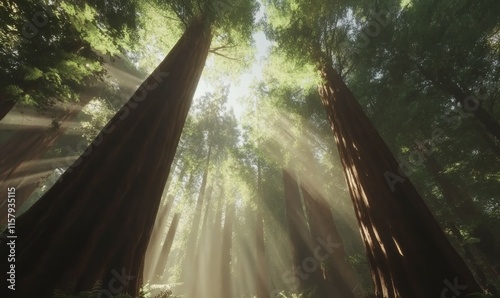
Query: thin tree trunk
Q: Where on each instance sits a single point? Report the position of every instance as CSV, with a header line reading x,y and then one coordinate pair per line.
x,y
153,252
337,273
225,267
189,267
200,256
214,247
262,288
408,252
96,222
167,245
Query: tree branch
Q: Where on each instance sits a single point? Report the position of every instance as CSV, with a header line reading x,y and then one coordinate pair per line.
x,y
222,55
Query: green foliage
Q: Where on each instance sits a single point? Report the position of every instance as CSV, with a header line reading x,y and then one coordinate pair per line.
x,y
316,32
50,53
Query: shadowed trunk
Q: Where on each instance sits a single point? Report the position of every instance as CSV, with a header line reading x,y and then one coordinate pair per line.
x,y
167,245
408,252
5,106
306,267
337,273
96,222
337,276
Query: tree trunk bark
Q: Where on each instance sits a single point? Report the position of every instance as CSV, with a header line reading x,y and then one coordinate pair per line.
x,y
167,245
408,252
96,222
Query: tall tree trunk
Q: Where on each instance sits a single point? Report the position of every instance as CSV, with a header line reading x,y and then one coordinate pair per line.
x,y
201,258
338,277
306,268
408,252
337,273
153,252
225,267
214,248
96,222
189,267
262,288
157,235
165,250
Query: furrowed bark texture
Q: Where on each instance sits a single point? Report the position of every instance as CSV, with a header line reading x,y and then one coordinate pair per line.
x,y
407,250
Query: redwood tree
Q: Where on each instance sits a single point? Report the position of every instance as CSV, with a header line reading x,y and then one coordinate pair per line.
x,y
167,245
308,280
408,252
337,274
96,222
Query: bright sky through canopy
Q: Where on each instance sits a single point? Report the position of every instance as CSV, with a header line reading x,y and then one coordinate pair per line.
x,y
240,87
